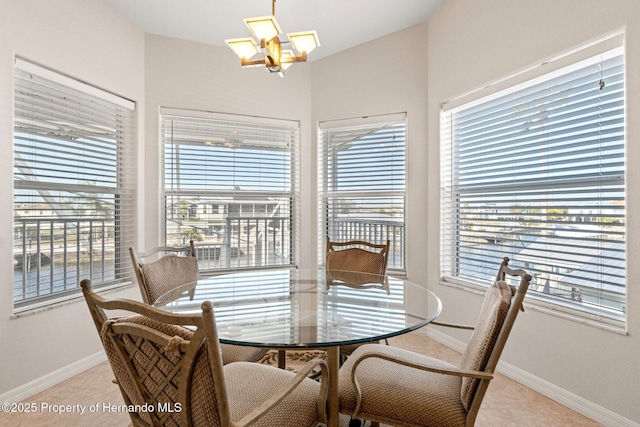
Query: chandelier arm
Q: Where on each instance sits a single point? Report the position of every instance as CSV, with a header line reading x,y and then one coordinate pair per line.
x,y
273,7
248,63
288,59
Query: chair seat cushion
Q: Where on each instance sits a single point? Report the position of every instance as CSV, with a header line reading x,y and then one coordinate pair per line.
x,y
251,384
394,393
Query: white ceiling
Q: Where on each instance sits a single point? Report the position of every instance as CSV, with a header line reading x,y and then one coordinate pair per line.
x,y
340,24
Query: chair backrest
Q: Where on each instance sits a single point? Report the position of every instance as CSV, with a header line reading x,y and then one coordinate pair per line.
x,y
172,373
170,271
357,255
499,310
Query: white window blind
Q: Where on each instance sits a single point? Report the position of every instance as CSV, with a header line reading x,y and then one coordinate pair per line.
x,y
362,168
537,173
231,185
72,199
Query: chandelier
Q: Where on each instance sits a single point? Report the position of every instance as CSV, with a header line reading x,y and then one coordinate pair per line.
x,y
266,48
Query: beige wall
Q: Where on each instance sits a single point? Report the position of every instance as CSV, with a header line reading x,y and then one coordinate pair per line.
x,y
92,42
196,76
465,45
388,75
471,43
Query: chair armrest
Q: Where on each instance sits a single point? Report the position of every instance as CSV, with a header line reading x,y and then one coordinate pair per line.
x,y
406,362
285,390
453,325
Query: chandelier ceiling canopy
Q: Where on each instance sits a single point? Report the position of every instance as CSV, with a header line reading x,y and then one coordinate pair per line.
x,y
269,48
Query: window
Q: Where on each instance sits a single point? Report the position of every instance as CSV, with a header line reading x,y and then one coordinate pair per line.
x,y
72,211
245,170
362,165
537,173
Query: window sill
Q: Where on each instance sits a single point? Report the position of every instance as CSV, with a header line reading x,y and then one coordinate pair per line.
x,y
69,299
534,304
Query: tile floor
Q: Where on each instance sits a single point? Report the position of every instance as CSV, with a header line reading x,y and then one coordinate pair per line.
x,y
507,403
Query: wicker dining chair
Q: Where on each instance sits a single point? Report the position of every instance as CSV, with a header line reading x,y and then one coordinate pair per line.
x,y
399,387
357,255
177,267
343,258
170,372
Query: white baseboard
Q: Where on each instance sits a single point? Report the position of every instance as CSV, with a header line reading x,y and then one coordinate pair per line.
x,y
568,399
31,388
552,391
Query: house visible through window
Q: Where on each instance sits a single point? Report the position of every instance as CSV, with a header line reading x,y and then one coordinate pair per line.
x,y
230,184
72,211
362,169
536,173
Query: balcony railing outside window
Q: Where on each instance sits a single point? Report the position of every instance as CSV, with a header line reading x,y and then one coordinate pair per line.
x,y
51,256
243,242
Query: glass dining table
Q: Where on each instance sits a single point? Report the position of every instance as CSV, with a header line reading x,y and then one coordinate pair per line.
x,y
286,308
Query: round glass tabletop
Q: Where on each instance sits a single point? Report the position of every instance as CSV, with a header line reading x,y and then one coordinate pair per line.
x,y
289,308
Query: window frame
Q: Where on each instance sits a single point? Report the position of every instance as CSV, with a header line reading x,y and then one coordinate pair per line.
x,y
363,224
279,249
89,200
528,78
